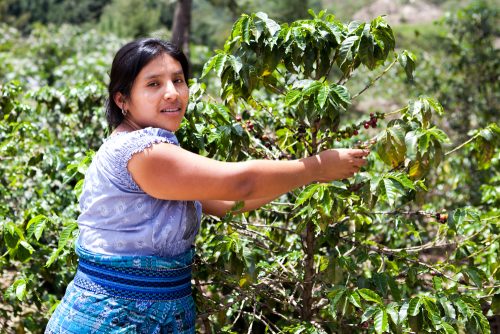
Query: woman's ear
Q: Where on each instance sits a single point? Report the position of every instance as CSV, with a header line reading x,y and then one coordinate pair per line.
x,y
120,101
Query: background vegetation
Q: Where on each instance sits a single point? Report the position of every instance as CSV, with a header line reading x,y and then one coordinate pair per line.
x,y
409,245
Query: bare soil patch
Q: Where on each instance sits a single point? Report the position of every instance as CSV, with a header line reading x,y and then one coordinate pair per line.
x,y
412,11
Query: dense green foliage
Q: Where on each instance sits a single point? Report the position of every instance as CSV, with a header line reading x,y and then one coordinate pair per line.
x,y
409,244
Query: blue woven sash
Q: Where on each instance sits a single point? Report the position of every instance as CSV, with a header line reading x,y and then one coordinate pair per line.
x,y
149,281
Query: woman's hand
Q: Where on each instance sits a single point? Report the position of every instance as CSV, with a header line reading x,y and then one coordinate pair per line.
x,y
337,164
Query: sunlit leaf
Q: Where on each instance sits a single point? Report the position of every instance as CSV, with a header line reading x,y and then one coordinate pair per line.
x,y
407,60
414,306
370,295
20,289
448,328
369,312
381,321
306,194
322,96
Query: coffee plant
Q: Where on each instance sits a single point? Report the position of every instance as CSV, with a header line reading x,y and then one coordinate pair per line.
x,y
383,252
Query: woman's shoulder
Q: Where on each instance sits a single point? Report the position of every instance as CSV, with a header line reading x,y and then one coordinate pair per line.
x,y
117,149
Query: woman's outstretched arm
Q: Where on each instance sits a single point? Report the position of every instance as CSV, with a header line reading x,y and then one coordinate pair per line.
x,y
167,171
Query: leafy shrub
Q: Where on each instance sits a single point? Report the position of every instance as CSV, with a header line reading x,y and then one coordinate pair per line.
x,y
374,253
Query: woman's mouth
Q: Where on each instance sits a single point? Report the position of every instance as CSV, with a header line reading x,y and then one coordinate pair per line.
x,y
170,110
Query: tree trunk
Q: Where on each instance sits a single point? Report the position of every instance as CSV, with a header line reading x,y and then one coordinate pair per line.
x,y
308,246
181,25
308,283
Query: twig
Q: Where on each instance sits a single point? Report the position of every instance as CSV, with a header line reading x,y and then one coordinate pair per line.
x,y
239,313
273,227
375,80
388,252
253,318
463,144
205,321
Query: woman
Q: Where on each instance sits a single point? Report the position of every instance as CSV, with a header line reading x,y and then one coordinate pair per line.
x,y
143,197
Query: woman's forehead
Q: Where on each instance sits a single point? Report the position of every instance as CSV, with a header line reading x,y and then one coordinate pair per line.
x,y
163,64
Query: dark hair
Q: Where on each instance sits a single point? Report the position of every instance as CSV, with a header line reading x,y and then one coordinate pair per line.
x,y
127,64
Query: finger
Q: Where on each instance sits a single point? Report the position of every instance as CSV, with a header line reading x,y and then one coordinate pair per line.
x,y
360,163
360,153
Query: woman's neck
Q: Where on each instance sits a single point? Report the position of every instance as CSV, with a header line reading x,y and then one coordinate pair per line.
x,y
127,125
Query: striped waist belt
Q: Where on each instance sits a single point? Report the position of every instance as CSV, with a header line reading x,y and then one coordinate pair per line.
x,y
134,283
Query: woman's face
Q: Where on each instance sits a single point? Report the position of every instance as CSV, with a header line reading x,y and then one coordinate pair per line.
x,y
159,95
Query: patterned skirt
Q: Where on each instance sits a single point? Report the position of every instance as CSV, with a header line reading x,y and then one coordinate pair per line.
x,y
127,294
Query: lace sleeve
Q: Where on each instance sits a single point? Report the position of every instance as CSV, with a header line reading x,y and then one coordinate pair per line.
x,y
123,150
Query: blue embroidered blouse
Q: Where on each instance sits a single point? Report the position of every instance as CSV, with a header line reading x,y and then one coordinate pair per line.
x,y
118,218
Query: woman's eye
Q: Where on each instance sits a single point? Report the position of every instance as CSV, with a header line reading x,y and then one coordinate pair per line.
x,y
178,80
153,84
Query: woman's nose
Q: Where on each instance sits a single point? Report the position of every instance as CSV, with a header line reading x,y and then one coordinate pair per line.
x,y
170,91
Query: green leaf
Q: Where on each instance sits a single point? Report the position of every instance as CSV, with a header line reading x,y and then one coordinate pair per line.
x,y
312,88
53,257
340,95
403,312
495,304
396,294
407,60
347,52
27,246
322,96
448,329
393,313
366,48
235,63
66,234
414,306
483,322
448,308
438,108
271,25
463,308
411,140
20,285
484,151
430,306
12,235
370,311
438,135
354,299
403,180
371,296
36,225
381,321
292,96
246,29
208,66
437,282
380,281
391,146
393,191
306,194
336,296
384,38
476,275
220,61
